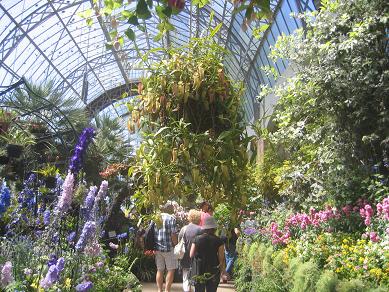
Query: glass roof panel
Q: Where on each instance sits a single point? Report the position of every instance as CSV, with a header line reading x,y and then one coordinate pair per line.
x,y
43,40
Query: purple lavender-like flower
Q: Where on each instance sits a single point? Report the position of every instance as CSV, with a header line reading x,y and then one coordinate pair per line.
x,y
122,236
71,237
53,273
80,149
5,198
86,234
102,191
6,274
65,198
52,261
83,287
50,278
46,217
60,264
89,202
27,197
249,231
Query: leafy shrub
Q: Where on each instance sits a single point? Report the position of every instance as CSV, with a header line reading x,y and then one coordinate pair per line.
x,y
327,282
353,285
305,277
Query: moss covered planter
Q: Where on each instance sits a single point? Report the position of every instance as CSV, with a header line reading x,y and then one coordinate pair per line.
x,y
14,150
50,182
4,159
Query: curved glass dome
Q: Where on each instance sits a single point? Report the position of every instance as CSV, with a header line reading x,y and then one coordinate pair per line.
x,y
48,40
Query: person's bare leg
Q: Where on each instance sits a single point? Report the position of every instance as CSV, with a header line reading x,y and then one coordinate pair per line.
x,y
169,280
159,280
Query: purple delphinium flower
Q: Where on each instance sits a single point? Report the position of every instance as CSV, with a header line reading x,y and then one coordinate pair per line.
x,y
122,236
71,237
5,198
46,217
85,286
102,191
89,202
6,274
52,260
65,198
50,278
87,232
80,149
53,273
249,231
27,196
60,264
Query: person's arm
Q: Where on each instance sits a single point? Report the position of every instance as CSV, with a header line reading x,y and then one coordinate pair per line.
x,y
174,238
237,231
174,232
192,250
222,259
181,234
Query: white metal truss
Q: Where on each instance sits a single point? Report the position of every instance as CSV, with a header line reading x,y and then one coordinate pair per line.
x,y
45,39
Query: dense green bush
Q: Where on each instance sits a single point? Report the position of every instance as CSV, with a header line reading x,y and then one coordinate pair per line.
x,y
332,117
354,285
327,282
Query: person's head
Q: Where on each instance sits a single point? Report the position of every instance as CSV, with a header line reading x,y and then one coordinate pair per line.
x,y
168,208
205,206
209,225
194,216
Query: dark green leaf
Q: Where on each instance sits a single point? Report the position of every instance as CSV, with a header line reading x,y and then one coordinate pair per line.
x,y
133,20
142,11
130,34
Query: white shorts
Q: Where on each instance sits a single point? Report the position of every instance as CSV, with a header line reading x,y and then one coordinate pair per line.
x,y
166,259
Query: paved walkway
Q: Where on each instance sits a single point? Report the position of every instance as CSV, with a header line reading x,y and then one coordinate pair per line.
x,y
177,287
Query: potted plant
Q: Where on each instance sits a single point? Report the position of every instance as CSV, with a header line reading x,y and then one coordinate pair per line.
x,y
3,157
5,120
16,140
49,172
37,128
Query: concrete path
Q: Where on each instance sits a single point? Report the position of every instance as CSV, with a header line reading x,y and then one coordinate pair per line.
x,y
177,287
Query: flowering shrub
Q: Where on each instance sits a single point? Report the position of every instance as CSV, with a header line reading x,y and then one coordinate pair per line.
x,y
113,169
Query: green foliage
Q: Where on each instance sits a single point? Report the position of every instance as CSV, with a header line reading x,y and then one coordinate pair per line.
x,y
354,285
327,282
194,138
332,117
48,170
18,137
259,9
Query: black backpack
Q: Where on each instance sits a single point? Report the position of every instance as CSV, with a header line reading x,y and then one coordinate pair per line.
x,y
149,237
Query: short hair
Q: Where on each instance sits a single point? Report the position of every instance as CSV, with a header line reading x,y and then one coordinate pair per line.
x,y
194,216
202,204
168,207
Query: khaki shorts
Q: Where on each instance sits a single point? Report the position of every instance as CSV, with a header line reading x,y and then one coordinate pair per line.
x,y
166,259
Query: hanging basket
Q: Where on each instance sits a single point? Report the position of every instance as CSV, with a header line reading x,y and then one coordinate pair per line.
x,y
50,182
14,150
4,127
4,159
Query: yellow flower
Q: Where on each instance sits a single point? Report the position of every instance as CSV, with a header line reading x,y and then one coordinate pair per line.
x,y
68,283
36,286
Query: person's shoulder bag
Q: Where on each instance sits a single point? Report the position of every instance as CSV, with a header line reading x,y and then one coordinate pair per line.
x,y
179,249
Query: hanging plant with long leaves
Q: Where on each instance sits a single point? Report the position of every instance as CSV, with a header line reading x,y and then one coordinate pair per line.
x,y
189,113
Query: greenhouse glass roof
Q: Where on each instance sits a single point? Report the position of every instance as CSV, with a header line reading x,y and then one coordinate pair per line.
x,y
48,40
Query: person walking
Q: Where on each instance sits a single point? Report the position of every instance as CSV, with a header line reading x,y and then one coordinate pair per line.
x,y
207,252
188,233
231,255
165,240
206,211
